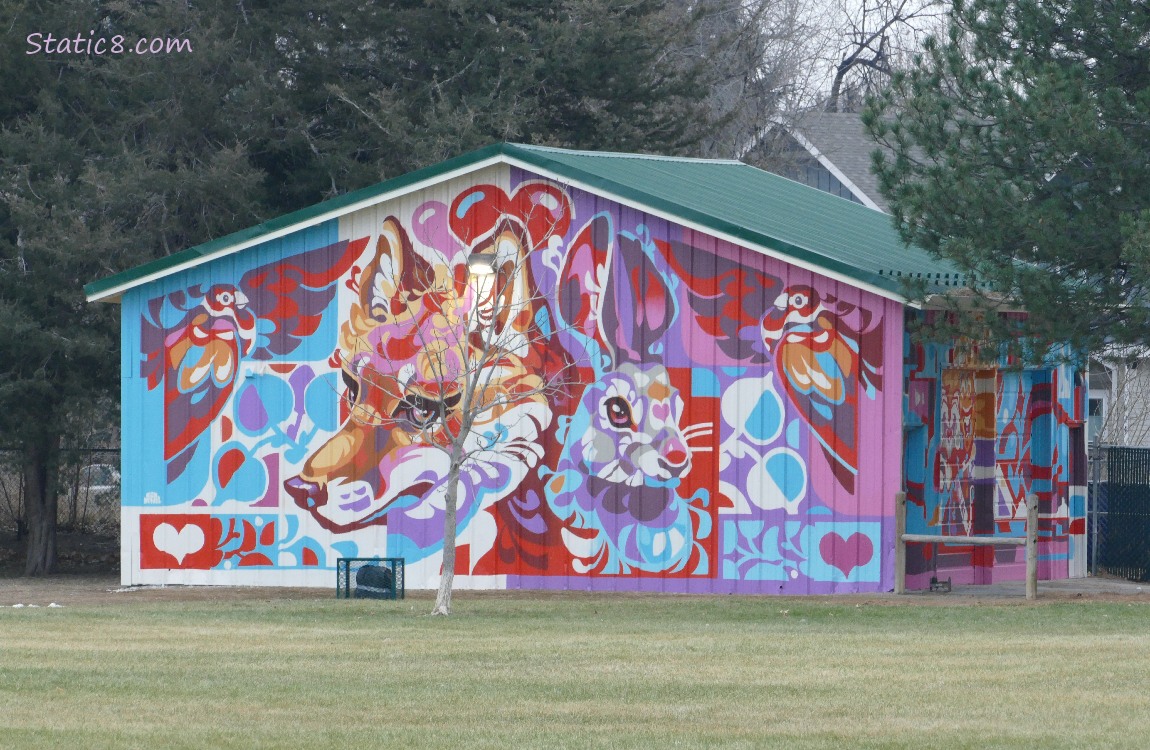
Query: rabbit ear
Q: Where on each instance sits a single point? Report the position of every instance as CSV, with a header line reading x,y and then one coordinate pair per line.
x,y
640,306
583,277
396,268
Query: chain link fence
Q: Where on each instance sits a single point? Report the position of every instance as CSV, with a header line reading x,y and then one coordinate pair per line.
x,y
1119,522
89,492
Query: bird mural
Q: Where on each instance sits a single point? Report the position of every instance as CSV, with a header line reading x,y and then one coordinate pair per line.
x,y
199,339
201,359
827,352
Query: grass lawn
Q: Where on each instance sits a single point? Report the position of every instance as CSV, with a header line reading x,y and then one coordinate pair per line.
x,y
576,671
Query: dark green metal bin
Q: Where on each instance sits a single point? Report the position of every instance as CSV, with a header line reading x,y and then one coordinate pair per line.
x,y
369,578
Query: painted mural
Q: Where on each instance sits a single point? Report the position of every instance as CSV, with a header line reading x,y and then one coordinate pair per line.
x,y
984,435
673,413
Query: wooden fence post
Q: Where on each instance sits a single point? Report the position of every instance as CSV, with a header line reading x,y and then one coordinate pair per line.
x,y
1032,546
899,543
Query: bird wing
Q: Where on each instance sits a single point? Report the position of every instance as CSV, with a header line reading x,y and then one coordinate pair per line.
x,y
202,360
821,379
197,355
289,297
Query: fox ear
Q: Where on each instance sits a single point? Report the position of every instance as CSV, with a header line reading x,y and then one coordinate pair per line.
x,y
511,286
396,269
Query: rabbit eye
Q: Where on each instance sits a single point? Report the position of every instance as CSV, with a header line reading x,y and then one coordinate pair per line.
x,y
618,412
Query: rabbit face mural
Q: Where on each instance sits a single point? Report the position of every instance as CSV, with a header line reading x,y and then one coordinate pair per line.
x,y
626,452
634,436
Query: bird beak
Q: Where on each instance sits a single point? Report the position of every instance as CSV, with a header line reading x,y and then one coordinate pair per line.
x,y
781,301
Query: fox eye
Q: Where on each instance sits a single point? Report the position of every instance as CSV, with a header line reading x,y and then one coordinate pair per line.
x,y
352,387
420,412
618,413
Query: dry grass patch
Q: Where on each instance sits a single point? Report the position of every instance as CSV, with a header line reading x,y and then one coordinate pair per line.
x,y
578,671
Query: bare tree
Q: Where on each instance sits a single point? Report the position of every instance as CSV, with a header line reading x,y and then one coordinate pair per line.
x,y
451,374
873,39
760,63
773,62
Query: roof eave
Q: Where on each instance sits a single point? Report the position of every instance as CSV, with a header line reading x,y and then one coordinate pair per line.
x,y
112,288
884,286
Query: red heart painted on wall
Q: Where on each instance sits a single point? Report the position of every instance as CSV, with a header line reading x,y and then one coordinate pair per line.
x,y
846,554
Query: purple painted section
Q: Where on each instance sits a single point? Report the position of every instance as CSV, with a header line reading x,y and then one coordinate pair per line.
x,y
271,498
702,586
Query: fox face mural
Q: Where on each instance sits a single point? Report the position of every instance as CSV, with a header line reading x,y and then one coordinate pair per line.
x,y
419,337
400,359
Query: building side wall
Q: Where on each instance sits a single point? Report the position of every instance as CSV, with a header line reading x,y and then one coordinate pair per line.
x,y
980,438
761,452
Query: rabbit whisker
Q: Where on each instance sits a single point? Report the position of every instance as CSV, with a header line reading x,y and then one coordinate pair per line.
x,y
698,430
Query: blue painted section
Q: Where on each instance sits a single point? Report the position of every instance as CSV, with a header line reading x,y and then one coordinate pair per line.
x,y
143,464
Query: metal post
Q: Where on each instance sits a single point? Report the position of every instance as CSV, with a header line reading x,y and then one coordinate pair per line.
x,y
1032,546
899,543
1096,458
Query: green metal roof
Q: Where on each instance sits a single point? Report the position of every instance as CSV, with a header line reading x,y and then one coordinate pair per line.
x,y
779,216
758,208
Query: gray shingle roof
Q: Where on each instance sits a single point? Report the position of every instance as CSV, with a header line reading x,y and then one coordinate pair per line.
x,y
841,139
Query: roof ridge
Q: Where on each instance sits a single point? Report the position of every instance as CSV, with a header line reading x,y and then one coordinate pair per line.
x,y
626,155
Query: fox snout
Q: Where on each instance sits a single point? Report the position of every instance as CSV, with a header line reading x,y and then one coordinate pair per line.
x,y
307,495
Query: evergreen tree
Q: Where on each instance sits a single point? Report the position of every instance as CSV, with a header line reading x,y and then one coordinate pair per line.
x,y
109,160
1021,149
105,161
379,90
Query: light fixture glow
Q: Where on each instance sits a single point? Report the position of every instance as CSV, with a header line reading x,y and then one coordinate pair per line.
x,y
481,264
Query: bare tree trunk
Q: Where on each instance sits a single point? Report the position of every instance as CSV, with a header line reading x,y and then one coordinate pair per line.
x,y
450,507
837,86
39,469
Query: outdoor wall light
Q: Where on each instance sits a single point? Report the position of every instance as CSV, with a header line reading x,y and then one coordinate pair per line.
x,y
481,264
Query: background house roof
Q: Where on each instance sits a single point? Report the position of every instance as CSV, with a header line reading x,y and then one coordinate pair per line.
x,y
772,214
840,142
